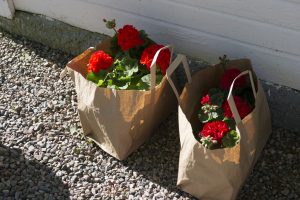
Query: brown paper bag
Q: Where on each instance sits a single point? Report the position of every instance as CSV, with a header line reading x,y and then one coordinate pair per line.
x,y
119,121
219,173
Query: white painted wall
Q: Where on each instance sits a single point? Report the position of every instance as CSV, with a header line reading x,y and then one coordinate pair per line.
x,y
7,8
266,31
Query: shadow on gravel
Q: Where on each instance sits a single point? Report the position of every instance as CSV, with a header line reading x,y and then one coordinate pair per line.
x,y
52,55
275,175
157,160
21,178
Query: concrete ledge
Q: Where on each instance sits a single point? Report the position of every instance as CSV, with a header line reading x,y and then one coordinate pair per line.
x,y
53,33
284,102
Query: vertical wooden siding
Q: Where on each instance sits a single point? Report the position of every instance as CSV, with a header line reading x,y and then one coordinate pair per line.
x,y
266,31
7,8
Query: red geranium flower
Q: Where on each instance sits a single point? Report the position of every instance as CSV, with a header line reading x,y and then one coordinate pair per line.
x,y
241,105
129,37
99,60
163,59
229,76
217,130
205,100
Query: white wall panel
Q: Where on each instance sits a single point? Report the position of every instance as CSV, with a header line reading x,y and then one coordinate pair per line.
x,y
7,8
266,31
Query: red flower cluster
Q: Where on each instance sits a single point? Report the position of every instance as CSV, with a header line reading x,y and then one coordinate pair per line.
x,y
205,100
216,129
163,59
229,76
129,37
241,105
99,60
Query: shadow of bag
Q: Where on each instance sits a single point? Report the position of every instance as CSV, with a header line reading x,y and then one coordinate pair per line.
x,y
119,121
219,173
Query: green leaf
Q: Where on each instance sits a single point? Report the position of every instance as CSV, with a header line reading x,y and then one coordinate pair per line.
x,y
224,60
210,113
124,78
114,45
208,142
231,139
213,115
110,24
113,87
213,91
202,116
217,98
125,73
110,84
91,76
101,75
124,87
119,67
143,34
146,79
131,70
140,85
230,123
159,78
100,83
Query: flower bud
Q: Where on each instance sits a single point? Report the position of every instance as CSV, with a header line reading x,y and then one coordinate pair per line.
x,y
110,24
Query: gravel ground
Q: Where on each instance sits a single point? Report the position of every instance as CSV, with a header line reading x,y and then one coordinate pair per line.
x,y
43,156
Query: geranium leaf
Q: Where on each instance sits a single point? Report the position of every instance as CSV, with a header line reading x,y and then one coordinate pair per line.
x,y
213,91
231,139
217,98
100,83
133,69
203,117
208,142
159,78
143,34
141,86
230,123
213,115
146,79
119,66
220,112
110,83
91,76
124,87
114,45
102,74
113,87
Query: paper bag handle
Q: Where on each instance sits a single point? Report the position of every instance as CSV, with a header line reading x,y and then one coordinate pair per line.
x,y
179,59
230,98
153,65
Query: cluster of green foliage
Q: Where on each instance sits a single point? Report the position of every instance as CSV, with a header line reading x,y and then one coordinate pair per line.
x,y
214,112
126,73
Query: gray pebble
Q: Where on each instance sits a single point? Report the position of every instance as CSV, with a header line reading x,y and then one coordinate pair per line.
x,y
36,113
31,149
285,191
